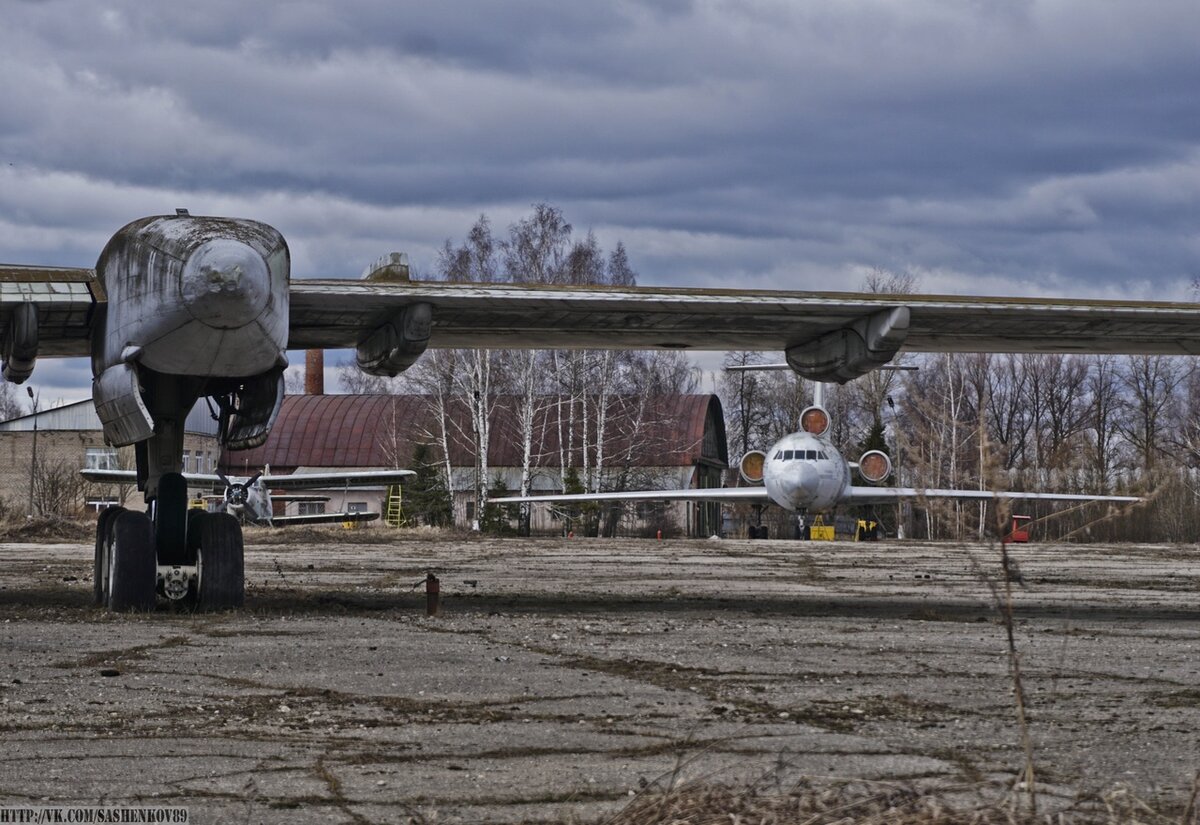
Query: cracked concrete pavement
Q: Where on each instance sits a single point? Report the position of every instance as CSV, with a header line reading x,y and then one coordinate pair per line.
x,y
562,677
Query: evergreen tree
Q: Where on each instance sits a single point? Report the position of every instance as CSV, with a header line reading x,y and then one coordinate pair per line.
x,y
497,518
426,497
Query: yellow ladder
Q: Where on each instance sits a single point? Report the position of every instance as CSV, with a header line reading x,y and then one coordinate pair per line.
x,y
394,515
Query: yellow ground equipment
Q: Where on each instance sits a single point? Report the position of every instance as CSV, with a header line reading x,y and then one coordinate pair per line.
x,y
818,531
394,514
867,530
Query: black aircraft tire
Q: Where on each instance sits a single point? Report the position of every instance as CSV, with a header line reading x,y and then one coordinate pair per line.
x,y
221,563
195,522
104,524
133,563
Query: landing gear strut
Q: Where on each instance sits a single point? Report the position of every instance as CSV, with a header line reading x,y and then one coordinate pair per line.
x,y
758,530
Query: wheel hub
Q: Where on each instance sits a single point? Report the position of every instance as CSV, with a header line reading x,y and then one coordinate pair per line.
x,y
175,579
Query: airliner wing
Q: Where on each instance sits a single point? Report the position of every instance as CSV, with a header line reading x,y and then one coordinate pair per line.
x,y
337,314
311,481
698,494
868,495
322,518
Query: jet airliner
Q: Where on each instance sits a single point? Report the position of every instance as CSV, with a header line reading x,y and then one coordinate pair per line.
x,y
805,474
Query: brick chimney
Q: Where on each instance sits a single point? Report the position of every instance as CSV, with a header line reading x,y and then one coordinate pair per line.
x,y
314,372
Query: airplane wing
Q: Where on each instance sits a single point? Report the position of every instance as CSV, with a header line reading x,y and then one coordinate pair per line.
x,y
309,481
697,494
868,495
366,478
338,314
63,299
322,518
130,477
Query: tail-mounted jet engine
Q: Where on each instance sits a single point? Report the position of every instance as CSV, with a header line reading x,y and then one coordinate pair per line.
x,y
874,466
815,420
845,354
751,466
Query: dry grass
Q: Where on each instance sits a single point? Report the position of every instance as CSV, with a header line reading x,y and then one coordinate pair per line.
x,y
325,534
842,802
47,529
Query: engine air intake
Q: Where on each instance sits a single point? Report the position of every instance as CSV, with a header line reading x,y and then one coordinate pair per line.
x,y
874,466
814,420
751,466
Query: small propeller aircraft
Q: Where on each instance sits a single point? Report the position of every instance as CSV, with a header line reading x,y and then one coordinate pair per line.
x,y
251,501
804,473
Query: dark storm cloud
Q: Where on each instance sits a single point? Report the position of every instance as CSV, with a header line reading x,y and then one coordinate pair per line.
x,y
986,146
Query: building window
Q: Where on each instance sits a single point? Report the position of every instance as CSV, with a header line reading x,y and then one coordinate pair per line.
x,y
100,458
187,459
311,508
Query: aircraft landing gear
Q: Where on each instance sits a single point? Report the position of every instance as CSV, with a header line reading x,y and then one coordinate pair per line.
x,y
758,530
220,563
189,556
100,558
802,528
129,568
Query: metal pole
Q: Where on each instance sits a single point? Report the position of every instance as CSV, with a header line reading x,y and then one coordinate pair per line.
x,y
900,519
33,459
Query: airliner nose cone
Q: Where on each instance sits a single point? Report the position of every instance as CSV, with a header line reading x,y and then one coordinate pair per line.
x,y
810,481
226,283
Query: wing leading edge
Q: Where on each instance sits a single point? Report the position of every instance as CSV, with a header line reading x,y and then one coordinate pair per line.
x,y
339,314
858,495
699,494
867,495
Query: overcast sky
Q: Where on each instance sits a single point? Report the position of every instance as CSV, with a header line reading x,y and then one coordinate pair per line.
x,y
986,146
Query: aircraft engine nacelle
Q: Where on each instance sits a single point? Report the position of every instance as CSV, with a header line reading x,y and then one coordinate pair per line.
x,y
751,466
815,420
874,466
395,345
194,296
845,354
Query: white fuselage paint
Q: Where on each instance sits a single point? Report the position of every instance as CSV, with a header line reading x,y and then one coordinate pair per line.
x,y
804,473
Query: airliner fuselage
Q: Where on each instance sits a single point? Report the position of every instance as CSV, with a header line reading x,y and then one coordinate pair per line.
x,y
803,472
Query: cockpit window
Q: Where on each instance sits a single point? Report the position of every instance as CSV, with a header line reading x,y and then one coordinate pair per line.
x,y
788,455
821,455
810,455
778,454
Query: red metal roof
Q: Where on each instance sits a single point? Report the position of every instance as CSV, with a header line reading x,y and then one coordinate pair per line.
x,y
382,430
